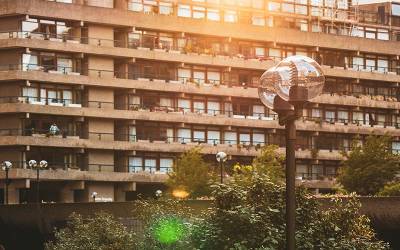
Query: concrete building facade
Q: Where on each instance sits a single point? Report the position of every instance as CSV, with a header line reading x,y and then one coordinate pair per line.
x,y
131,84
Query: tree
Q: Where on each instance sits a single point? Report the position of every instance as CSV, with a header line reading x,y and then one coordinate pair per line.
x,y
100,232
390,189
253,217
369,167
192,174
269,162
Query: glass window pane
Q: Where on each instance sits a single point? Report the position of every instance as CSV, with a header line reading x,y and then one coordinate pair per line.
x,y
230,138
213,137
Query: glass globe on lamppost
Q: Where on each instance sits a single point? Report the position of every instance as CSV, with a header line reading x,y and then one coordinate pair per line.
x,y
300,79
295,79
221,158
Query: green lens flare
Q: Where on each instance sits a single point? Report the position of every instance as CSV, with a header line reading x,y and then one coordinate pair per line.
x,y
169,230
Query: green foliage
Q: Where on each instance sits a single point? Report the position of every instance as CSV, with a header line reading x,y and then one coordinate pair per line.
x,y
192,174
391,189
100,232
368,168
269,162
165,224
252,217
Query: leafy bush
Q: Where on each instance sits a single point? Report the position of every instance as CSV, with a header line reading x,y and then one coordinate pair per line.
x,y
100,232
391,189
252,217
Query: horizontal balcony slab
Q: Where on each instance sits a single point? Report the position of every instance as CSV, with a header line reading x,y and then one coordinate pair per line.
x,y
125,18
77,175
182,58
191,118
222,90
162,147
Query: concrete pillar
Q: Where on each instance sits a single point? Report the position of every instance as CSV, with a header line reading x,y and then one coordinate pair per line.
x,y
121,188
66,195
121,4
67,192
13,195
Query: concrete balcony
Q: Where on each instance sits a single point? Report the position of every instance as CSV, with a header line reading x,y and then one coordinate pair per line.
x,y
172,23
182,58
77,175
188,88
162,147
192,118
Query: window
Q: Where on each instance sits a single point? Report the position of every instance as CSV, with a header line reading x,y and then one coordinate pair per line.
x,y
213,14
199,136
258,110
132,133
343,116
184,105
30,62
199,77
30,93
395,9
184,75
165,8
316,113
213,77
184,135
165,102
273,6
383,34
213,137
301,171
198,107
358,117
150,165
166,165
64,65
396,147
329,116
184,11
230,137
199,12
244,138
358,63
213,108
101,3
230,16
135,5
135,164
258,20
260,52
258,138
383,65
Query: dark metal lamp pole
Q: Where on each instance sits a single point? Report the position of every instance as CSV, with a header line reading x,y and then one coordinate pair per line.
x,y
6,166
285,88
221,158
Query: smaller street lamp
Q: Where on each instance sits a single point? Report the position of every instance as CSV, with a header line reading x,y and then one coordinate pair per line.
x,y
94,194
221,158
42,165
6,166
158,194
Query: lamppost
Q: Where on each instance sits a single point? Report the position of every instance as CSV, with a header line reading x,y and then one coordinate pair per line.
x,y
221,158
94,194
286,88
42,165
6,166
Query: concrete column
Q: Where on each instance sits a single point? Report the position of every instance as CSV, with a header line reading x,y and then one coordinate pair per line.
x,y
121,4
121,188
67,192
13,195
67,195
